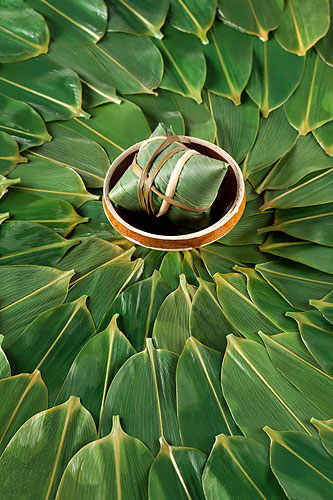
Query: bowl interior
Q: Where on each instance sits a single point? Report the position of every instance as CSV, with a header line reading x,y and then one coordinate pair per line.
x,y
161,226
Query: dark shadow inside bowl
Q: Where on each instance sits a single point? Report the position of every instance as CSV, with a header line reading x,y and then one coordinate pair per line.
x,y
161,225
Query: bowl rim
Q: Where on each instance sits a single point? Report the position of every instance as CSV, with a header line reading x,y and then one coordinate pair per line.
x,y
240,194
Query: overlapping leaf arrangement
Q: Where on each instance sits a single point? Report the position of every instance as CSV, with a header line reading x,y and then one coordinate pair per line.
x,y
128,373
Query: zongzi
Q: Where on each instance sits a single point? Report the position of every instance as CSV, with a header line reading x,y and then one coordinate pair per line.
x,y
167,178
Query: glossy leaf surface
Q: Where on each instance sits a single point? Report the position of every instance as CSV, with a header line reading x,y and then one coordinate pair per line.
x,y
325,429
9,155
324,136
4,365
193,17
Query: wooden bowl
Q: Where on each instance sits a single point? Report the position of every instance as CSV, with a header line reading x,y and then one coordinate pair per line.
x,y
141,229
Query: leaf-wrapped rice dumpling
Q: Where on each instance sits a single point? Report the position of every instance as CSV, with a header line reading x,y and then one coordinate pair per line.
x,y
166,178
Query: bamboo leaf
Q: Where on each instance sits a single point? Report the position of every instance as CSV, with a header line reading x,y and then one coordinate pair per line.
x,y
202,410
275,75
9,155
324,135
310,106
180,75
171,268
129,74
5,183
172,324
305,252
306,157
54,92
210,329
310,223
151,261
120,453
27,291
148,407
114,127
249,376
302,24
233,297
51,342
293,343
141,300
229,61
268,300
256,17
192,17
75,20
324,46
94,368
240,463
25,395
275,138
237,126
34,461
73,150
324,306
312,382
23,32
132,16
295,282
103,285
305,455
4,365
176,471
317,334
325,429
22,122
32,243
56,214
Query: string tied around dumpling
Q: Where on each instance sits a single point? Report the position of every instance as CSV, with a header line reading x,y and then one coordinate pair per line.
x,y
146,186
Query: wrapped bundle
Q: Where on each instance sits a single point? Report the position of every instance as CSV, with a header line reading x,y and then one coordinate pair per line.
x,y
166,178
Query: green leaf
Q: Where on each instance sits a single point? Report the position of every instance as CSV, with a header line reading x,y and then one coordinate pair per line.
x,y
27,291
216,258
275,138
23,32
233,297
3,217
295,282
256,17
56,214
126,459
22,122
229,61
308,223
171,268
10,155
267,398
180,74
151,261
324,135
325,429
172,324
325,306
75,20
192,17
4,364
148,407
202,410
268,300
31,243
310,106
25,395
237,126
94,368
305,252
239,464
210,329
325,44
103,285
116,127
317,334
312,382
304,158
275,75
141,300
33,463
132,16
5,183
303,23
304,455
73,150
176,471
67,327
293,343
130,75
